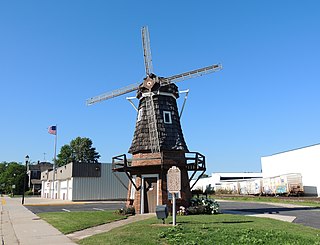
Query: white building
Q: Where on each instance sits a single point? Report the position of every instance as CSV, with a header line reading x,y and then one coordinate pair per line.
x,y
216,179
84,181
305,161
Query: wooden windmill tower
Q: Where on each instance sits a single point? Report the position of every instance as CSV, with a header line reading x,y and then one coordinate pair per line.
x,y
158,141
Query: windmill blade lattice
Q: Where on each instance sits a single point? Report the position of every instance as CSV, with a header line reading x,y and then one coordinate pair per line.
x,y
112,94
146,50
191,74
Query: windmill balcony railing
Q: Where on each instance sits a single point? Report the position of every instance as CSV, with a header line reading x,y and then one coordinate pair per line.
x,y
120,162
195,161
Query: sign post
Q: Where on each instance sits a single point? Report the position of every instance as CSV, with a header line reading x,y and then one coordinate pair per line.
x,y
174,186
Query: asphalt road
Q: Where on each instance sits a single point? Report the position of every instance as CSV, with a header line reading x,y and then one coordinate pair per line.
x,y
308,216
75,207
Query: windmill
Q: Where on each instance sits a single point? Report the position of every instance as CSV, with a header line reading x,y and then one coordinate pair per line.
x,y
158,141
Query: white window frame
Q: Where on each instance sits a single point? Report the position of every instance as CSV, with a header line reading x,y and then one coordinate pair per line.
x,y
140,113
164,117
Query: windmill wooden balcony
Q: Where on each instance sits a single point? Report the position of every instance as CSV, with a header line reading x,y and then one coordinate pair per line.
x,y
194,163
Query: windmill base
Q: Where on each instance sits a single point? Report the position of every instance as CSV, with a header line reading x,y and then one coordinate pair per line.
x,y
149,172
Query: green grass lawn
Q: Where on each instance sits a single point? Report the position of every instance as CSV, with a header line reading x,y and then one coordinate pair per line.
x,y
303,202
209,229
75,221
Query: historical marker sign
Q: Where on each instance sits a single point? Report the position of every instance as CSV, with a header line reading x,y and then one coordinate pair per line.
x,y
174,186
174,179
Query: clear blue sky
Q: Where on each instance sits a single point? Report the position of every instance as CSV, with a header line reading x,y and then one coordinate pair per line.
x,y
56,54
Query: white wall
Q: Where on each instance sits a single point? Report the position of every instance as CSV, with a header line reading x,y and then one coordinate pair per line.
x,y
63,190
45,191
70,184
304,160
203,183
215,179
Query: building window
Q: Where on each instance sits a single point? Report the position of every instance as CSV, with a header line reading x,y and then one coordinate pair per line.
x,y
139,115
167,117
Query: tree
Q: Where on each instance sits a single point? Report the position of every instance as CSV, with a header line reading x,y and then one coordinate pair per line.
x,y
65,156
79,150
12,174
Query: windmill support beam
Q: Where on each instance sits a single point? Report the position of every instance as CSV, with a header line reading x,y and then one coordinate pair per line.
x,y
196,179
186,92
123,184
120,164
133,105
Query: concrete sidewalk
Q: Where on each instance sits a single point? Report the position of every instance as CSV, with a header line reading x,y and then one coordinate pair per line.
x,y
18,225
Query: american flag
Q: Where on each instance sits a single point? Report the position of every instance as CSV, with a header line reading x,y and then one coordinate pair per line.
x,y
52,130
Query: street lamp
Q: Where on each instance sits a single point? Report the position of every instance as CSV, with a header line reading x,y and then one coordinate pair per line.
x,y
13,186
24,179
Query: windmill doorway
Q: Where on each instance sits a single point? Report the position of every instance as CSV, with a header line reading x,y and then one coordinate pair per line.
x,y
150,194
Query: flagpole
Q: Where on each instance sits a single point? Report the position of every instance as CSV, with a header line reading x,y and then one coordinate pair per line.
x,y
54,161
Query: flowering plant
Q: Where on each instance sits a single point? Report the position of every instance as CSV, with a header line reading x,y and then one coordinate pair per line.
x,y
182,211
203,206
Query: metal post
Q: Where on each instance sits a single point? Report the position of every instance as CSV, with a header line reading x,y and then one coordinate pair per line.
x,y
24,179
174,209
54,163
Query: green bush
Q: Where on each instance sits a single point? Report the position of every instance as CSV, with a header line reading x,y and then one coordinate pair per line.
x,y
197,192
126,211
203,206
224,191
28,193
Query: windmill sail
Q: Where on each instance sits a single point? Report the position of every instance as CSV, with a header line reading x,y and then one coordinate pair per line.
x,y
146,50
112,94
191,74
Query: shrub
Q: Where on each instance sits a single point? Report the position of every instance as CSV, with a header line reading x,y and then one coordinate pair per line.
x,y
197,192
126,211
197,210
28,193
223,191
203,206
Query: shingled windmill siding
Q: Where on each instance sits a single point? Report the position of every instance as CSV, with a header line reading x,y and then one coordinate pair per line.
x,y
170,134
172,146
